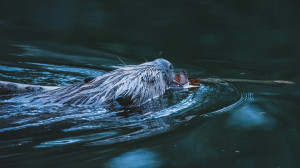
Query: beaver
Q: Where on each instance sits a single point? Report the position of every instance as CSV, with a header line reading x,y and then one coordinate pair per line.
x,y
128,86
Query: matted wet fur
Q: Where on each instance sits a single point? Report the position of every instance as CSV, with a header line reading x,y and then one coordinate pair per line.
x,y
129,86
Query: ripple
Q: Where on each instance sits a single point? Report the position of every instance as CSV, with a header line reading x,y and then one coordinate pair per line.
x,y
184,105
11,69
112,126
76,139
94,126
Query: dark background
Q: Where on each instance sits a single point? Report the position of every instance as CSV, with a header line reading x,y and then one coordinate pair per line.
x,y
252,32
252,39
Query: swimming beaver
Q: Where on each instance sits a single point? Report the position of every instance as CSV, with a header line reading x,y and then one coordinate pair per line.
x,y
129,86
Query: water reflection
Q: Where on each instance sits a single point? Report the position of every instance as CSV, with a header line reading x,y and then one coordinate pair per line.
x,y
89,130
249,116
141,158
95,126
76,139
59,42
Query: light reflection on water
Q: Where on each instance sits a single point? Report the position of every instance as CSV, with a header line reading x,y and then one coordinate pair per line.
x,y
60,42
98,132
108,126
141,158
250,116
168,113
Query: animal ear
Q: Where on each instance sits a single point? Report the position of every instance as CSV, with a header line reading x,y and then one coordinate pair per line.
x,y
124,100
88,79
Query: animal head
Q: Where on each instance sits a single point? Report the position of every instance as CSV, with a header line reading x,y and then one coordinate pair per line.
x,y
136,84
166,69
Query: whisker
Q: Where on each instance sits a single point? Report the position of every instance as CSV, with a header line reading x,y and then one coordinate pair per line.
x,y
121,60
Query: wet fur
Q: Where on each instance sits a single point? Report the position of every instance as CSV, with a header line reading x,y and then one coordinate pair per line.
x,y
129,86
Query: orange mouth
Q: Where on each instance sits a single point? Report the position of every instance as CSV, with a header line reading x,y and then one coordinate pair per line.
x,y
182,79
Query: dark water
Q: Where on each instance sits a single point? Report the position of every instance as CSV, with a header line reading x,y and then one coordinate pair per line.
x,y
227,125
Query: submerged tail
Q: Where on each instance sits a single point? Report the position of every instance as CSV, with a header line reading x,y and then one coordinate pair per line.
x,y
11,87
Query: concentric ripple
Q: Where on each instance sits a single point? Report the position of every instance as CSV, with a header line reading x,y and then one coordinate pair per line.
x,y
52,126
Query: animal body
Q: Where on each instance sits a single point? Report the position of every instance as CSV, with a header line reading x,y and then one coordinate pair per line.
x,y
128,86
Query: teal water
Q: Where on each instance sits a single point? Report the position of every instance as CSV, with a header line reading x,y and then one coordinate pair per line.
x,y
228,125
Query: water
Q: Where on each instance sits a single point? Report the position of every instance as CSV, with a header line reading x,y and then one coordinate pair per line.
x,y
228,125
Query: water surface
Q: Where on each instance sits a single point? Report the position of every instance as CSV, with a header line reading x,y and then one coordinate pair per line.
x,y
228,125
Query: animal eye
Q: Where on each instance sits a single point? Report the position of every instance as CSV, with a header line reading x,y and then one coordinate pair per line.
x,y
171,66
